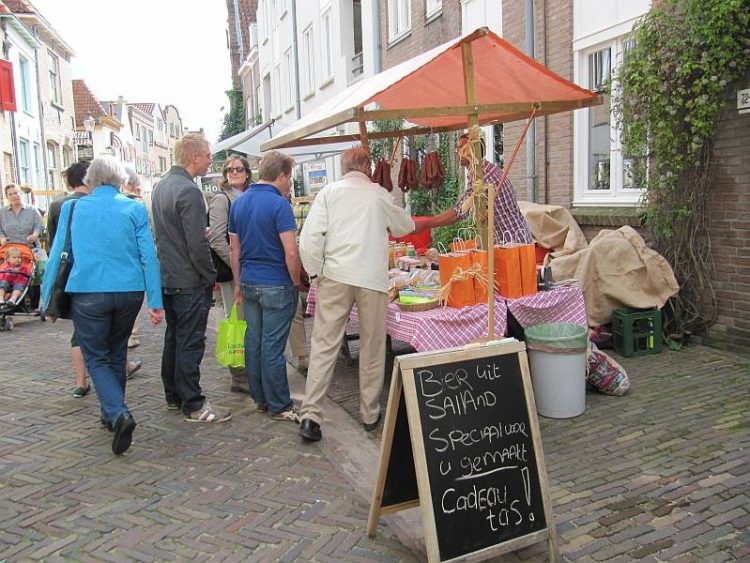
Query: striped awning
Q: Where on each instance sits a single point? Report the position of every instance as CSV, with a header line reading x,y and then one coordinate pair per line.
x,y
115,141
82,138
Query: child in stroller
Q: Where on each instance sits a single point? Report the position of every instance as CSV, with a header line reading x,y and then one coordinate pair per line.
x,y
17,269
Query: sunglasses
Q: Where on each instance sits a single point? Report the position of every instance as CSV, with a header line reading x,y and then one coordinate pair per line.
x,y
235,169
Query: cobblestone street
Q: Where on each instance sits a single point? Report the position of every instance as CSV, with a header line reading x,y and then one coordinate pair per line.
x,y
658,475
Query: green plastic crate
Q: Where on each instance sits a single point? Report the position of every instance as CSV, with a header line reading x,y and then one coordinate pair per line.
x,y
637,332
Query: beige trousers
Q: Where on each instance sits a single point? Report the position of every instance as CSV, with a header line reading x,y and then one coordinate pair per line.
x,y
334,303
238,375
297,337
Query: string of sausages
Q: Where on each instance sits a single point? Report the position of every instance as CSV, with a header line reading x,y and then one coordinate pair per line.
x,y
432,176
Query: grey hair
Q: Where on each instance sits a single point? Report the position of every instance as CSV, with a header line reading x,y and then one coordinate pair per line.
x,y
106,170
133,178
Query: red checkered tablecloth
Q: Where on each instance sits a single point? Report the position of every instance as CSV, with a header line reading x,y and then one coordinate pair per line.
x,y
563,304
439,328
446,327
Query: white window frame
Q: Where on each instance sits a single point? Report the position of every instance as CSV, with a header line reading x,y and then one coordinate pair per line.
x,y
24,165
617,195
308,56
399,19
26,86
326,44
277,91
288,80
38,172
53,158
432,8
55,82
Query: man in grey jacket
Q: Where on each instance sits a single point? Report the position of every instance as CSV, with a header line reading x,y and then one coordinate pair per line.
x,y
187,278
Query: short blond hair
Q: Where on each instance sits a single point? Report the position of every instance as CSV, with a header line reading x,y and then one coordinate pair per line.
x,y
274,164
187,146
356,159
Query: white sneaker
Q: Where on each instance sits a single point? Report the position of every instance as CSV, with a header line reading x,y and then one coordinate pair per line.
x,y
291,415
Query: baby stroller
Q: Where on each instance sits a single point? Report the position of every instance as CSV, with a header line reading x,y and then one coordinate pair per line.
x,y
26,276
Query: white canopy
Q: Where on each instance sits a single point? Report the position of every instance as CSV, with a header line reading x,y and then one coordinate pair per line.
x,y
249,143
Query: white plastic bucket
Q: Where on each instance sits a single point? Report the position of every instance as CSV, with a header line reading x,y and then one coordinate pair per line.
x,y
558,369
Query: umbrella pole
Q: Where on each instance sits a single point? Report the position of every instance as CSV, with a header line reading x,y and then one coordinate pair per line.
x,y
363,136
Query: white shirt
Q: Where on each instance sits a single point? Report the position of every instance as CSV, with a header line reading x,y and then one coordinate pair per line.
x,y
345,236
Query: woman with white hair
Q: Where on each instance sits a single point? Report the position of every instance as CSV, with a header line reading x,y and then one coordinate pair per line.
x,y
114,263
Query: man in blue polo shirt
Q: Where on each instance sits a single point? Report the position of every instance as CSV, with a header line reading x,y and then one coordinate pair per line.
x,y
266,267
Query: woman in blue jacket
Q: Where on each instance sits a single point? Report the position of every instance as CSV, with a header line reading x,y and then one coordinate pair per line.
x,y
114,263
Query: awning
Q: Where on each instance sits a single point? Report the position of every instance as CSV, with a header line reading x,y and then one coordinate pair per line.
x,y
249,143
478,74
82,138
114,141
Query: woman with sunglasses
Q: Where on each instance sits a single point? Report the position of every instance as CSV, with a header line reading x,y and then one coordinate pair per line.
x,y
235,179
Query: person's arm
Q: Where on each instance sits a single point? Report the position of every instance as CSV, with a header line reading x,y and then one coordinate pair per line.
x,y
218,218
312,237
147,253
192,210
234,262
291,255
38,226
399,222
446,218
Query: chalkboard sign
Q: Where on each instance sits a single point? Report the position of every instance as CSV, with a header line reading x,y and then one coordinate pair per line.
x,y
476,451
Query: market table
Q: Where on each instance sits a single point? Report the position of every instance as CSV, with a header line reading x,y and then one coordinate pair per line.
x,y
446,327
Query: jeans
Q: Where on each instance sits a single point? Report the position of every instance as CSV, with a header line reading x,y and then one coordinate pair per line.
x,y
186,312
102,323
269,310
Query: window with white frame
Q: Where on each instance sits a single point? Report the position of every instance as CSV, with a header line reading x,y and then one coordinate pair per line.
x,y
277,109
308,59
289,79
399,18
23,161
55,84
605,175
326,40
432,8
53,157
25,72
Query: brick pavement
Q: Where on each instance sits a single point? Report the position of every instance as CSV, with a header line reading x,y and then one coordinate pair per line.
x,y
659,475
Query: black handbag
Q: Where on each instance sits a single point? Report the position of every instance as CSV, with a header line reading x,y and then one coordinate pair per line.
x,y
223,272
59,302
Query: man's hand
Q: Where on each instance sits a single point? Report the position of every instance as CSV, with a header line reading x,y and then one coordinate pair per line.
x,y
156,316
32,238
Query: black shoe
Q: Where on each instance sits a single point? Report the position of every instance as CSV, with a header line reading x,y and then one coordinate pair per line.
x,y
369,427
310,430
124,427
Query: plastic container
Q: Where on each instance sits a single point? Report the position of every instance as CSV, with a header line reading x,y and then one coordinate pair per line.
x,y
557,359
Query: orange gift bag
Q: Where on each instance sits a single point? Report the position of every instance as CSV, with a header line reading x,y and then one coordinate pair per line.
x,y
481,279
527,262
457,279
466,240
508,270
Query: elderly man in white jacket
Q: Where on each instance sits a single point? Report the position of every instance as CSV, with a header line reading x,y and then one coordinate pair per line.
x,y
344,245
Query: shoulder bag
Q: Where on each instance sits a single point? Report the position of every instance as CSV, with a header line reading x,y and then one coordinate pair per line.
x,y
223,272
59,301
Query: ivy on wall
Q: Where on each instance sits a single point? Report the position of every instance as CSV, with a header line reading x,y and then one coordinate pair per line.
x,y
234,123
672,87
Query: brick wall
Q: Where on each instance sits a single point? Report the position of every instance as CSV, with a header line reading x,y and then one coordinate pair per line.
x,y
554,157
247,13
729,226
424,34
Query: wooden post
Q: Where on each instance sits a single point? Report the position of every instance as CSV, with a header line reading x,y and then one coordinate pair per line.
x,y
491,261
363,136
473,119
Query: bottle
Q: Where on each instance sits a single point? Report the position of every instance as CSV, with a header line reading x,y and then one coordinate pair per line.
x,y
411,252
650,334
391,250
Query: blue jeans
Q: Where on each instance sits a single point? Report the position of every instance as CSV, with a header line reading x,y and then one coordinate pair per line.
x,y
269,310
103,322
186,312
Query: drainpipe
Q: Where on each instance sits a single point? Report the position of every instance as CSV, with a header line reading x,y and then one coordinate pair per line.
x,y
295,48
378,44
43,148
546,117
531,138
13,135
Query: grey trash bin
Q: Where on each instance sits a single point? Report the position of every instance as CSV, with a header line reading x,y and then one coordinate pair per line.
x,y
557,360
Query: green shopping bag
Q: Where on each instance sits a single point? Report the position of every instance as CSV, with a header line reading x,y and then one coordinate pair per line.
x,y
230,342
